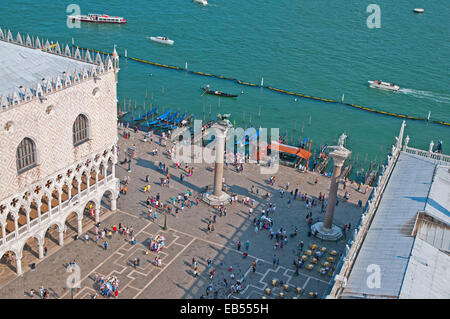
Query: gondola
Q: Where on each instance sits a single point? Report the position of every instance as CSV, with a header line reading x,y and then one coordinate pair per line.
x,y
173,121
159,119
144,117
121,114
218,93
169,119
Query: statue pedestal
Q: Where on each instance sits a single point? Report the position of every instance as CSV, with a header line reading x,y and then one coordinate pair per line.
x,y
214,200
332,234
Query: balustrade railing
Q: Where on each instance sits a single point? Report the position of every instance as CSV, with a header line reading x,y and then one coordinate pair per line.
x,y
445,159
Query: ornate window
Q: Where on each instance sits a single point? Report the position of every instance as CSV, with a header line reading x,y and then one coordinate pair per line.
x,y
80,130
26,155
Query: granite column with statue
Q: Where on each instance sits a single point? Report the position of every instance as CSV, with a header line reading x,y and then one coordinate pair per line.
x,y
326,230
218,196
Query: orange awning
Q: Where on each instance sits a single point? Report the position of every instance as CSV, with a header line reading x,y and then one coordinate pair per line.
x,y
283,148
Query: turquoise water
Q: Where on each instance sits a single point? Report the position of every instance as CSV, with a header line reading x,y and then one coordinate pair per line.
x,y
320,48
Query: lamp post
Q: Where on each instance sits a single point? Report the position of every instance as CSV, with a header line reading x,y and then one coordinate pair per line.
x,y
165,221
131,153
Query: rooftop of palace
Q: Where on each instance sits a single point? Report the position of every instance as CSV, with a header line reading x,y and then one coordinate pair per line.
x,y
23,66
409,238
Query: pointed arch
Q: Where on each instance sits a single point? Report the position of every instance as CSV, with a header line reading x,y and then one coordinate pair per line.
x,y
26,155
80,130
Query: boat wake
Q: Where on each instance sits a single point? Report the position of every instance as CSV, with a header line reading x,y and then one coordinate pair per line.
x,y
436,97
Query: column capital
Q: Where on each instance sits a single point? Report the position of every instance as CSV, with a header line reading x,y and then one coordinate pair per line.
x,y
339,156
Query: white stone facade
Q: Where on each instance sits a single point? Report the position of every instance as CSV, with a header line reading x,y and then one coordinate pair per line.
x,y
66,177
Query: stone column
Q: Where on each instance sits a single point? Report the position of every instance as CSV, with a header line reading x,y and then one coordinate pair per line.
x,y
332,196
80,227
41,250
113,204
60,196
49,204
3,234
38,207
218,170
218,197
88,181
16,226
19,266
113,170
97,215
79,187
61,237
28,220
326,230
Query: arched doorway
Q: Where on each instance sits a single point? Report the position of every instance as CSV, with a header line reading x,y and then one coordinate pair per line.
x,y
106,200
51,237
71,224
8,264
30,249
89,211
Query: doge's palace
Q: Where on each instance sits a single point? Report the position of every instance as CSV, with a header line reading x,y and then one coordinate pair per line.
x,y
58,144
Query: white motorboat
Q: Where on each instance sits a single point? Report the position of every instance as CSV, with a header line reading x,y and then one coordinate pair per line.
x,y
203,2
383,85
164,40
419,10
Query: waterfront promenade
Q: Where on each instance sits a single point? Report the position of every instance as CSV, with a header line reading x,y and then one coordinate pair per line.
x,y
187,237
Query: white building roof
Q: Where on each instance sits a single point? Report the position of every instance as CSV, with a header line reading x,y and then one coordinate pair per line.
x,y
428,273
24,66
438,202
389,243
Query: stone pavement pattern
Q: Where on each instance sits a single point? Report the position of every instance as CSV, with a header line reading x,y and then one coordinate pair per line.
x,y
187,237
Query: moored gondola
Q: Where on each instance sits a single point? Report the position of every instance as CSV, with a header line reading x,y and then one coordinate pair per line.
x,y
146,116
218,93
159,119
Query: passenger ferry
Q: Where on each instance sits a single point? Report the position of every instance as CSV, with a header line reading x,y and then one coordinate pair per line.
x,y
97,18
